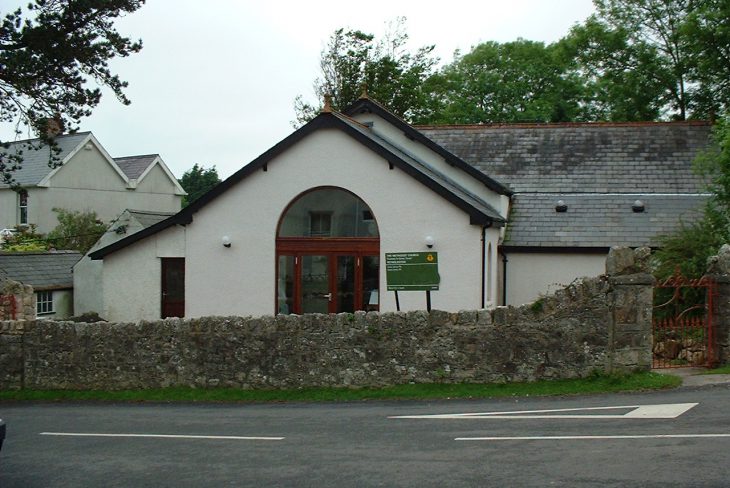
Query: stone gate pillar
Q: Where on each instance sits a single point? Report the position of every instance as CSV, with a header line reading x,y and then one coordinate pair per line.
x,y
630,301
718,269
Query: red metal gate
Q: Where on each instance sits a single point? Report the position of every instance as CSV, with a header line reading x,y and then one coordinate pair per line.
x,y
682,322
9,312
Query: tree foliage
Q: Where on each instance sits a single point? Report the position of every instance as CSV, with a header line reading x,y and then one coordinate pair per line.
x,y
354,61
689,248
49,52
520,81
197,181
75,230
633,60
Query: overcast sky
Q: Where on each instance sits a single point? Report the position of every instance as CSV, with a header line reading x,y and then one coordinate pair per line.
x,y
216,80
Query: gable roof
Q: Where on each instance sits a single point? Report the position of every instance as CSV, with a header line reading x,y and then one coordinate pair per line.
x,y
367,105
42,270
137,167
149,218
134,166
479,211
646,157
35,160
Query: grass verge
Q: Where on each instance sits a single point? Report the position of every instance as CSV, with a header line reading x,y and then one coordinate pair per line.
x,y
721,370
593,384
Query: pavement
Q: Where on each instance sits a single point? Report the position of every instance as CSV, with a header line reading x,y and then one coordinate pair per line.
x,y
692,377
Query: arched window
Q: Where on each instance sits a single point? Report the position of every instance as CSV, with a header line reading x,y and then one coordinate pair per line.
x,y
328,251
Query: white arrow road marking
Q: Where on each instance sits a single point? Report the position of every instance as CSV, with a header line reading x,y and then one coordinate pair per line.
x,y
666,411
590,437
167,436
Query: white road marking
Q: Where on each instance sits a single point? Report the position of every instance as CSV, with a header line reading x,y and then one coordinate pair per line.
x,y
665,411
167,436
590,437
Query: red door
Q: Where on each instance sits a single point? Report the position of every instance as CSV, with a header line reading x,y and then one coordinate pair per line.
x,y
173,287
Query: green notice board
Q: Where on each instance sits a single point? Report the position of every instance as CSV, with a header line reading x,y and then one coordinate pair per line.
x,y
412,271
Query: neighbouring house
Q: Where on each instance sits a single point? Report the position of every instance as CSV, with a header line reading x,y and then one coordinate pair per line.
x,y
88,274
50,275
305,227
87,179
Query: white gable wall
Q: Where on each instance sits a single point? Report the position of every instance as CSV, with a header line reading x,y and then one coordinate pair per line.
x,y
414,148
241,279
132,276
88,274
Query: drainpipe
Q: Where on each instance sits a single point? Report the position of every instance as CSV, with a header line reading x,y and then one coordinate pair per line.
x,y
504,277
484,244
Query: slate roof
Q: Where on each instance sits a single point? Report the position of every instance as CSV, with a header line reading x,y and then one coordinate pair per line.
x,y
147,219
597,220
42,270
35,161
598,170
134,166
579,158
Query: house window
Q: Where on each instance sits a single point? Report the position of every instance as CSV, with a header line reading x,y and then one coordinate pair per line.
x,y
320,224
44,302
23,207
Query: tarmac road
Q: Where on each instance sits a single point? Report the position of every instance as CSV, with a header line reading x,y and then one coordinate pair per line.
x,y
359,444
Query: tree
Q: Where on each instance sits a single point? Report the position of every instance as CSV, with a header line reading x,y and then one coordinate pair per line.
x,y
707,32
75,230
49,51
652,59
623,81
354,61
520,81
197,181
689,248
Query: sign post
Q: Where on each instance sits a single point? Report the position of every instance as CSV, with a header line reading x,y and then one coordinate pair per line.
x,y
412,271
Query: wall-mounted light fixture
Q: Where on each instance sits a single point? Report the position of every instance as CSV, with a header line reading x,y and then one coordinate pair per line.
x,y
226,241
430,241
638,206
561,206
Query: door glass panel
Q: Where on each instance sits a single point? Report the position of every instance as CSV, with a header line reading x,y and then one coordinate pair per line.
x,y
315,284
345,284
285,298
370,277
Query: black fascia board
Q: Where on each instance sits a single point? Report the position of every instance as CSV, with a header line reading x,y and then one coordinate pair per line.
x,y
365,104
476,216
322,121
138,236
185,216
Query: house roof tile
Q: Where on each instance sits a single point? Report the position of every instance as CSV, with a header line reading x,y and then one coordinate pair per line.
x,y
621,158
35,160
134,166
42,270
598,220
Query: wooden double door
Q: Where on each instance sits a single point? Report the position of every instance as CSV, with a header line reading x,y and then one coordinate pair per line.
x,y
331,278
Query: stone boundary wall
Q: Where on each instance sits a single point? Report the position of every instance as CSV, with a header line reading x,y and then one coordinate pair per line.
x,y
22,297
601,323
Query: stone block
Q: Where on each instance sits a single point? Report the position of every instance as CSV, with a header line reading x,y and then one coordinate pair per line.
x,y
624,260
720,263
